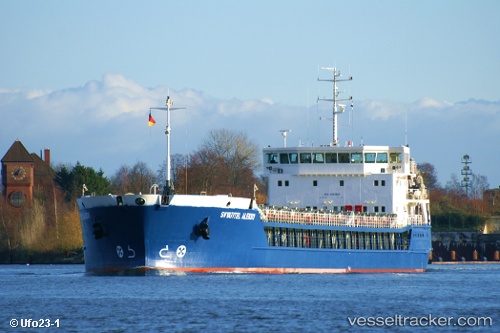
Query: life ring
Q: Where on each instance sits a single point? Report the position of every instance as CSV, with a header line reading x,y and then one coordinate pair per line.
x,y
307,241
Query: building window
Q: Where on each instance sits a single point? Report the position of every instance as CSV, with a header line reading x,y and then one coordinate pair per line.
x,y
383,183
315,183
382,209
17,199
341,183
375,209
375,183
286,183
280,183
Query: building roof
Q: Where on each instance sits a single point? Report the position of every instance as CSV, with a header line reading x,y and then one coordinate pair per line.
x,y
17,153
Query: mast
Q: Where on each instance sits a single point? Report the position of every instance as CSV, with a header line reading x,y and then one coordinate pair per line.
x,y
169,189
337,108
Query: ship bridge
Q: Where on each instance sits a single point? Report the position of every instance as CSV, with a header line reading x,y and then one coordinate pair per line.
x,y
364,179
328,160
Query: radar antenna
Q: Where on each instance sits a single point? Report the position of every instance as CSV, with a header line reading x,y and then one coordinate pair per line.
x,y
283,132
337,108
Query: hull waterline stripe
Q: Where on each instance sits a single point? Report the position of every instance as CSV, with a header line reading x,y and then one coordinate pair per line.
x,y
269,270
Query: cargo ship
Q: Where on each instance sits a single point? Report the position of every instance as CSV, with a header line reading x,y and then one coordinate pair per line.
x,y
331,209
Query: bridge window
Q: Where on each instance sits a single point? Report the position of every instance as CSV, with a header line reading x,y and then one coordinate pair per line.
x,y
294,158
318,158
331,157
305,157
381,157
344,158
284,159
356,158
370,157
395,157
272,158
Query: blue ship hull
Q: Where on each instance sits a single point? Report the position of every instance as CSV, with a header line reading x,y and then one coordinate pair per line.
x,y
167,238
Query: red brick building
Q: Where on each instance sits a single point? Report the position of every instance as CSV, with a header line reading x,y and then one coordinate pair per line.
x,y
24,173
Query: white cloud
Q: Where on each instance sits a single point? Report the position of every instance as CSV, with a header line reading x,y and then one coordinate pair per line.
x,y
104,124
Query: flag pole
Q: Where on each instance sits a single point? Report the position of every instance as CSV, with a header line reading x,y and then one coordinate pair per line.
x,y
169,186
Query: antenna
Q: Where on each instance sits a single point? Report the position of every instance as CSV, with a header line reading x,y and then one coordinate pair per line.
x,y
466,172
335,100
283,132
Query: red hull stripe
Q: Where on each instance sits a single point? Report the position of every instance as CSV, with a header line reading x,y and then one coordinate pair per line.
x,y
270,270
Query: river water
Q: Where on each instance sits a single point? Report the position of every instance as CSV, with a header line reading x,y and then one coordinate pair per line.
x,y
62,298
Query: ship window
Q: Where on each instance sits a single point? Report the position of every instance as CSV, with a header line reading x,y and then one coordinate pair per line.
x,y
370,157
383,182
280,183
375,182
382,158
331,157
284,159
344,158
341,183
395,157
286,183
318,158
315,183
272,158
305,157
294,158
356,158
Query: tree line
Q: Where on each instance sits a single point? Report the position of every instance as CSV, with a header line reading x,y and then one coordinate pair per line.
x,y
225,162
455,207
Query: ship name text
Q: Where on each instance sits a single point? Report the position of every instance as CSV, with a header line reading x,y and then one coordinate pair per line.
x,y
237,216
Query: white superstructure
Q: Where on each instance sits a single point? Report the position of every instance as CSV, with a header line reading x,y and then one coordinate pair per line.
x,y
360,179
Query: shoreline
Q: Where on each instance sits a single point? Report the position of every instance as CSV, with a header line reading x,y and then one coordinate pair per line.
x,y
464,263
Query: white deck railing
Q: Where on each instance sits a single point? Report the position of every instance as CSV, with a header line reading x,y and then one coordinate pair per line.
x,y
339,219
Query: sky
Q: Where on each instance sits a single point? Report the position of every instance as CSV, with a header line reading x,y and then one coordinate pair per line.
x,y
79,77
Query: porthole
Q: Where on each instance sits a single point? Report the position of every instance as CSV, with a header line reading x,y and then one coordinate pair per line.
x,y
140,201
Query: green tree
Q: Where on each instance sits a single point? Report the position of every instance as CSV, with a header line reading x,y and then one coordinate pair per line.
x,y
429,175
72,182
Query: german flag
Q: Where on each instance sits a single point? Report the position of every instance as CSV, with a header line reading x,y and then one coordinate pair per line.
x,y
151,121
